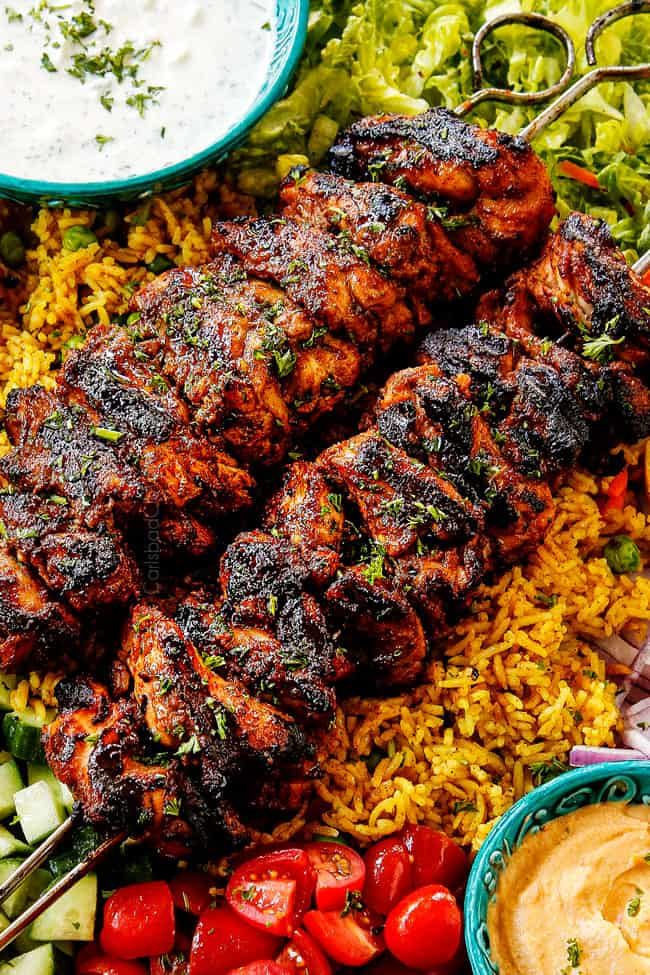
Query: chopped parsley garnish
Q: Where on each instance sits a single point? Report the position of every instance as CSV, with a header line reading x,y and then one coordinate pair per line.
x,y
374,567
46,63
601,348
573,952
102,140
172,807
545,771
190,747
103,433
634,906
142,99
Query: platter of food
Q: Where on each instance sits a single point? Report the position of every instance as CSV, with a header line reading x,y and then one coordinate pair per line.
x,y
324,488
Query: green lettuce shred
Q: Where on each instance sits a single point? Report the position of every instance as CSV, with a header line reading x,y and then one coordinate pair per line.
x,y
406,55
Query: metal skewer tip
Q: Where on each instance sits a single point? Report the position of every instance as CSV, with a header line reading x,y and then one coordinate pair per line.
x,y
53,893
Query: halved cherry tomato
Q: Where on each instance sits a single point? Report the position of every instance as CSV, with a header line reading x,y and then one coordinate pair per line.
x,y
302,956
91,960
424,929
261,968
191,891
436,858
349,939
579,173
339,870
389,874
223,940
125,935
645,278
273,890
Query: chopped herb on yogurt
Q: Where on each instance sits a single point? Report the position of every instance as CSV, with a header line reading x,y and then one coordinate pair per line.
x,y
148,77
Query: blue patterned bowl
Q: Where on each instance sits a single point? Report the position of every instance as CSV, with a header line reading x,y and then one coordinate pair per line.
x,y
622,782
291,20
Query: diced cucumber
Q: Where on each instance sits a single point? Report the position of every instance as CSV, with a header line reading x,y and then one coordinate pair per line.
x,y
38,881
43,773
15,903
7,685
39,811
10,783
10,844
84,841
40,961
4,921
22,733
72,917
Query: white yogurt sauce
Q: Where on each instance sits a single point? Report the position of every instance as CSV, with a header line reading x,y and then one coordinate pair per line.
x,y
106,89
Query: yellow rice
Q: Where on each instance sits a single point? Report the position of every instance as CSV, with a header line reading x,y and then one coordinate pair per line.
x,y
510,691
516,685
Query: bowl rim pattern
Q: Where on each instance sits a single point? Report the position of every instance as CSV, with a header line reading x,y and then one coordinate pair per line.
x,y
572,790
292,20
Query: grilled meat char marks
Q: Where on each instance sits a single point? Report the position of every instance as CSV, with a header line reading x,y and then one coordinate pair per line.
x,y
580,292
497,195
332,283
363,557
217,370
399,235
580,285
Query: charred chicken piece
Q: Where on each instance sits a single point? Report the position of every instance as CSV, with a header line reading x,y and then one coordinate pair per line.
x,y
581,288
99,747
34,625
497,196
582,294
402,237
401,502
254,367
335,287
435,419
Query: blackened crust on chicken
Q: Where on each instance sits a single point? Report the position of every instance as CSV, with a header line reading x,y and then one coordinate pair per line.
x,y
445,135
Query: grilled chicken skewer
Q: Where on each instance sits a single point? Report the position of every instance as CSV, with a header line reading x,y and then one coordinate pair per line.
x,y
365,555
157,427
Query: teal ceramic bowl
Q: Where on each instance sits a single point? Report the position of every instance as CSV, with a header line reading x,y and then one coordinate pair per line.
x,y
620,782
291,19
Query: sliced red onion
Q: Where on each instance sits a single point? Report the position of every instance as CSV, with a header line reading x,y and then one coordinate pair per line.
x,y
619,650
632,738
641,664
585,755
638,711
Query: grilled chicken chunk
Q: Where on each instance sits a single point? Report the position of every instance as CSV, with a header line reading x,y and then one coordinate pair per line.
x,y
580,288
402,237
333,284
496,195
99,748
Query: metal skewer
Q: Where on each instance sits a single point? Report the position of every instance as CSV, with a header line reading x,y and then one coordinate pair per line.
x,y
642,265
636,72
57,889
567,96
538,22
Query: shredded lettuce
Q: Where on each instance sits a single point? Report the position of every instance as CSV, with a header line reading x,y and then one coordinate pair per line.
x,y
406,55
